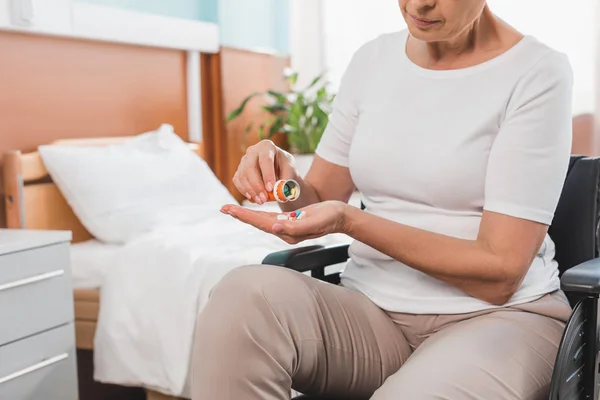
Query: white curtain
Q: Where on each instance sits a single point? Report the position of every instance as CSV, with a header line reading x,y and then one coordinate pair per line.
x,y
568,26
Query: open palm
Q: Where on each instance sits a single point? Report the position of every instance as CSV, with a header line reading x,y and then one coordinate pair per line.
x,y
321,219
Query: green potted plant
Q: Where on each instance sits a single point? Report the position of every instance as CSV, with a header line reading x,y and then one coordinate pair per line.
x,y
300,114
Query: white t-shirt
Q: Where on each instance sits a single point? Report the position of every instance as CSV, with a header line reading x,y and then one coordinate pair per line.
x,y
432,149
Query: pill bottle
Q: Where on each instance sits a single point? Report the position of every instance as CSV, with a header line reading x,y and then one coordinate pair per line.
x,y
284,190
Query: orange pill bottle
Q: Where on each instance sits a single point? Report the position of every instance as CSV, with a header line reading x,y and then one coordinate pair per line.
x,y
285,190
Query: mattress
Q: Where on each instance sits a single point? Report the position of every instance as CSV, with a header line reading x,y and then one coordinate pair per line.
x,y
90,262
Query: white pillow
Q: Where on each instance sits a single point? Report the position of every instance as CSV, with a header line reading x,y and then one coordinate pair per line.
x,y
121,191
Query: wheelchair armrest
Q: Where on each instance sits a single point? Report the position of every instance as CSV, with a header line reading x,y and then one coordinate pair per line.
x,y
308,258
583,278
283,258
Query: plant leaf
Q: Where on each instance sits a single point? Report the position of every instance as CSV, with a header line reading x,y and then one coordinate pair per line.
x,y
293,78
322,94
319,113
276,127
238,111
314,82
274,109
280,97
271,122
295,114
301,115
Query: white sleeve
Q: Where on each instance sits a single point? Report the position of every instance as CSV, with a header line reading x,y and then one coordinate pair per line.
x,y
530,156
337,137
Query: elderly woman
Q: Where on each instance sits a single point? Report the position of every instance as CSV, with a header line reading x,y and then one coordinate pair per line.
x,y
457,132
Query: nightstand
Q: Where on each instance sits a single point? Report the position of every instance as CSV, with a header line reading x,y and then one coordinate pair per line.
x,y
37,334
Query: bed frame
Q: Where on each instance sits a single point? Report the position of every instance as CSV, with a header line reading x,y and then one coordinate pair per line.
x,y
33,201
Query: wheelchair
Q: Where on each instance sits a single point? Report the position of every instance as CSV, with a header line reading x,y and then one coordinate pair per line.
x,y
575,232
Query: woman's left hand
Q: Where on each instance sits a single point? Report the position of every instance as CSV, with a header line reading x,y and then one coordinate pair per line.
x,y
321,219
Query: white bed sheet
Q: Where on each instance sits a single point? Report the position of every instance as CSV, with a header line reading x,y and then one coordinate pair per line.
x,y
156,287
90,262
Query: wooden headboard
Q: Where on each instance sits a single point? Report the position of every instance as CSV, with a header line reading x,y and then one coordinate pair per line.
x,y
33,201
65,88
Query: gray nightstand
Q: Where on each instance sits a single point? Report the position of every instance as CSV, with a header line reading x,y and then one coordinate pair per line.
x,y
37,334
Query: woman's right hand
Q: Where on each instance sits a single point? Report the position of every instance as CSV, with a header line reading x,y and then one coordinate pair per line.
x,y
261,166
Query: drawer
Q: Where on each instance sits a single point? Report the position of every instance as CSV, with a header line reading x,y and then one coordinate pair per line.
x,y
40,367
35,291
34,261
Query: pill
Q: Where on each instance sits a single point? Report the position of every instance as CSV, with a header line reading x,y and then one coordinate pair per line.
x,y
302,215
293,214
282,217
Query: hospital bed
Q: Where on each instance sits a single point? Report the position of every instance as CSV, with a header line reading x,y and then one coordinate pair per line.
x,y
34,201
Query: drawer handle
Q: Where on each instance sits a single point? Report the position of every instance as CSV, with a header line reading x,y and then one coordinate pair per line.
x,y
33,279
33,368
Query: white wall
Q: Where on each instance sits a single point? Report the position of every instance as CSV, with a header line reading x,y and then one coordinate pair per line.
x,y
240,26
325,33
348,24
306,40
201,10
90,21
48,16
256,25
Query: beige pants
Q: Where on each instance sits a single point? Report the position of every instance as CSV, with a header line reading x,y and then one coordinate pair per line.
x,y
267,329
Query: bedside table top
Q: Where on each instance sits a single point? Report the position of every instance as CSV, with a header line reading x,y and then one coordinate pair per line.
x,y
13,240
